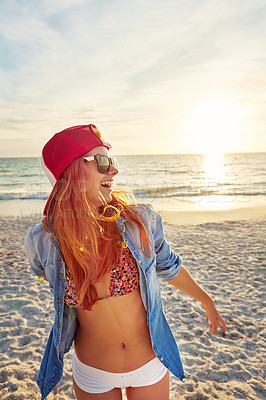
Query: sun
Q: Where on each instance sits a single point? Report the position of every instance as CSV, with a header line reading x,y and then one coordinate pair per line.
x,y
215,126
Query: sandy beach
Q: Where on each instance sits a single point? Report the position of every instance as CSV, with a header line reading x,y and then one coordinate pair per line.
x,y
226,256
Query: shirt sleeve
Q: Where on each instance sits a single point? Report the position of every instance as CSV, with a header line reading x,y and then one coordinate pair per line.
x,y
32,255
168,263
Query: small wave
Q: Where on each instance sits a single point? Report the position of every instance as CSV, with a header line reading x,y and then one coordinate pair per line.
x,y
181,194
166,192
31,175
35,196
12,184
163,189
175,172
160,190
262,183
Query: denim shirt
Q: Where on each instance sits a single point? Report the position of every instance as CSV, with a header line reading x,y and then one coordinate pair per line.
x,y
45,258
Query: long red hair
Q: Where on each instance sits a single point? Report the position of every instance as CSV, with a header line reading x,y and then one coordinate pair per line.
x,y
88,237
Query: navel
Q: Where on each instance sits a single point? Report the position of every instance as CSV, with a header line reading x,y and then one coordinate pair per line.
x,y
123,346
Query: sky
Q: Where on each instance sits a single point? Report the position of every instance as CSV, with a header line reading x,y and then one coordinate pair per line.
x,y
155,77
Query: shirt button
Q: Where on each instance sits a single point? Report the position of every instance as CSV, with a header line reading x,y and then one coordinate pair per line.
x,y
52,383
161,358
59,301
61,274
58,326
140,261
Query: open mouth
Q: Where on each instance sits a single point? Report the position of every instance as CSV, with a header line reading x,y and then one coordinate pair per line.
x,y
106,185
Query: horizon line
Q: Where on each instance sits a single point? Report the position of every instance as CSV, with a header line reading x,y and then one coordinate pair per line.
x,y
161,154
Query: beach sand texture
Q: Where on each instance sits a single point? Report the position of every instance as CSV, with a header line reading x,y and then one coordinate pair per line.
x,y
227,259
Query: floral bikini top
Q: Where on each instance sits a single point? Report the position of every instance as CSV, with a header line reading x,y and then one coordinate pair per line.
x,y
124,279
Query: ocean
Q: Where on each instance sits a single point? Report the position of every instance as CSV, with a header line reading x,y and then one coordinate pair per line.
x,y
181,180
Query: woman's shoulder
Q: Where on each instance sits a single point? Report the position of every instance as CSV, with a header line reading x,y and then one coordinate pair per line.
x,y
37,233
147,213
37,229
145,209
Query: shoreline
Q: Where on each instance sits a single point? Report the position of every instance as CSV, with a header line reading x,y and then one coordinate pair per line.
x,y
173,212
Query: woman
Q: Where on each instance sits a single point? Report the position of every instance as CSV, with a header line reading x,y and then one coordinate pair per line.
x,y
102,255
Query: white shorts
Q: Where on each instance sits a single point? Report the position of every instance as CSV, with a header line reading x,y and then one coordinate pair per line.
x,y
94,380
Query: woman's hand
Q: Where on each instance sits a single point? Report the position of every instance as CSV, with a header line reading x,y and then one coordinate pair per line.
x,y
184,282
213,316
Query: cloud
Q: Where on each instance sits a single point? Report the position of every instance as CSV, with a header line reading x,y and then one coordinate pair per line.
x,y
129,65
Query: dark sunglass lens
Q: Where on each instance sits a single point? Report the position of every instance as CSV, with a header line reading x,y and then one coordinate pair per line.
x,y
103,163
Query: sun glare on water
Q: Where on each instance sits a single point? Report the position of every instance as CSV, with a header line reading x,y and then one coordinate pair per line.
x,y
215,126
214,129
214,182
213,168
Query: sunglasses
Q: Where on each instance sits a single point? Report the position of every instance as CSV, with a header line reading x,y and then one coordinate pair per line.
x,y
103,162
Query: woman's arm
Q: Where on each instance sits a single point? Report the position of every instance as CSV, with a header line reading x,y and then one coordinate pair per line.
x,y
184,282
33,256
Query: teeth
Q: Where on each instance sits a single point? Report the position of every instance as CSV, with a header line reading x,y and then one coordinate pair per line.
x,y
108,184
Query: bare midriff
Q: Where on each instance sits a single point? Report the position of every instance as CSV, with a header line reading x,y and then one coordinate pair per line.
x,y
114,335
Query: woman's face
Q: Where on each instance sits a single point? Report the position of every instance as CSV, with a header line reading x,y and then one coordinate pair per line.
x,y
99,185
